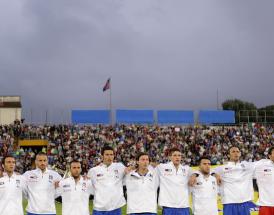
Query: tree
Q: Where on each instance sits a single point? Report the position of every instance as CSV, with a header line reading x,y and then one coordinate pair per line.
x,y
267,113
244,111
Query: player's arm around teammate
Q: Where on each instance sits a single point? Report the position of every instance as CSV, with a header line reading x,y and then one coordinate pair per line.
x,y
107,180
142,185
12,188
174,190
75,192
40,184
264,173
205,190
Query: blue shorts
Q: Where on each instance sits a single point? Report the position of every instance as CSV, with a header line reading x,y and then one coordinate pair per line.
x,y
117,211
238,209
28,213
175,211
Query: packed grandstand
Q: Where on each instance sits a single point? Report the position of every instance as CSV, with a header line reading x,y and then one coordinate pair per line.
x,y
83,143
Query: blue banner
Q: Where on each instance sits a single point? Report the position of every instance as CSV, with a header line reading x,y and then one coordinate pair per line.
x,y
134,116
175,117
90,116
216,117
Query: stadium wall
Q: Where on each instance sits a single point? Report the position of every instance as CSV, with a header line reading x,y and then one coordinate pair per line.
x,y
9,115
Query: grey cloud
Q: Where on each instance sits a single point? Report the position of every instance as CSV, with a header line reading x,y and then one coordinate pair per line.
x,y
160,54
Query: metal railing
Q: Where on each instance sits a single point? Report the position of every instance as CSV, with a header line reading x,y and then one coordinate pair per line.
x,y
63,116
255,116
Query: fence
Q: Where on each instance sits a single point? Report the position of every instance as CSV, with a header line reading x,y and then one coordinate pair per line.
x,y
65,116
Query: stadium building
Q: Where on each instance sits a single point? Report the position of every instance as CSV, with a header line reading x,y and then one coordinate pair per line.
x,y
10,109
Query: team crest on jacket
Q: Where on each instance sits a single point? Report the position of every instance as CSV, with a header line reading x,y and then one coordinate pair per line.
x,y
66,188
150,176
84,186
214,185
50,178
33,178
116,172
17,183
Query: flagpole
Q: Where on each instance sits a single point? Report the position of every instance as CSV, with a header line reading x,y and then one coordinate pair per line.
x,y
110,102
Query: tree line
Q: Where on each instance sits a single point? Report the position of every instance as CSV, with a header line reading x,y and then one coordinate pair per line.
x,y
248,112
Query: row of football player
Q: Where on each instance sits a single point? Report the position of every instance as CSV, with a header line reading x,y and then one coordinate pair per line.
x,y
105,181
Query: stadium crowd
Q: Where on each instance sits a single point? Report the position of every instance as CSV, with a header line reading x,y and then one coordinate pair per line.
x,y
69,142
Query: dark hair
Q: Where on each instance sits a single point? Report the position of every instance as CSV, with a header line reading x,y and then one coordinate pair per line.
x,y
203,158
74,161
233,146
40,154
141,154
270,150
106,148
172,150
7,156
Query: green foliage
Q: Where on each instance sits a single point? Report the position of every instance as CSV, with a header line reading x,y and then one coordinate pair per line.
x,y
237,104
244,111
248,112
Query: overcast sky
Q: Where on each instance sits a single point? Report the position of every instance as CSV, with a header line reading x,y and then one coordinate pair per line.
x,y
160,54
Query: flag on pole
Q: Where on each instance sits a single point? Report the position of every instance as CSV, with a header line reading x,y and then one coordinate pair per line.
x,y
107,85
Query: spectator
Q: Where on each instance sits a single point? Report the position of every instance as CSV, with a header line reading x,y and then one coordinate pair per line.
x,y
70,142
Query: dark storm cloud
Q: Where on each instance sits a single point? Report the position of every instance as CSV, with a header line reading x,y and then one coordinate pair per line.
x,y
160,54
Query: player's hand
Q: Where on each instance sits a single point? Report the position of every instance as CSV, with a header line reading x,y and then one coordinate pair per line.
x,y
192,180
85,177
218,179
129,169
56,184
1,173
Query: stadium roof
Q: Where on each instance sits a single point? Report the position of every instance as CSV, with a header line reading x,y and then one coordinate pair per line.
x,y
10,104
